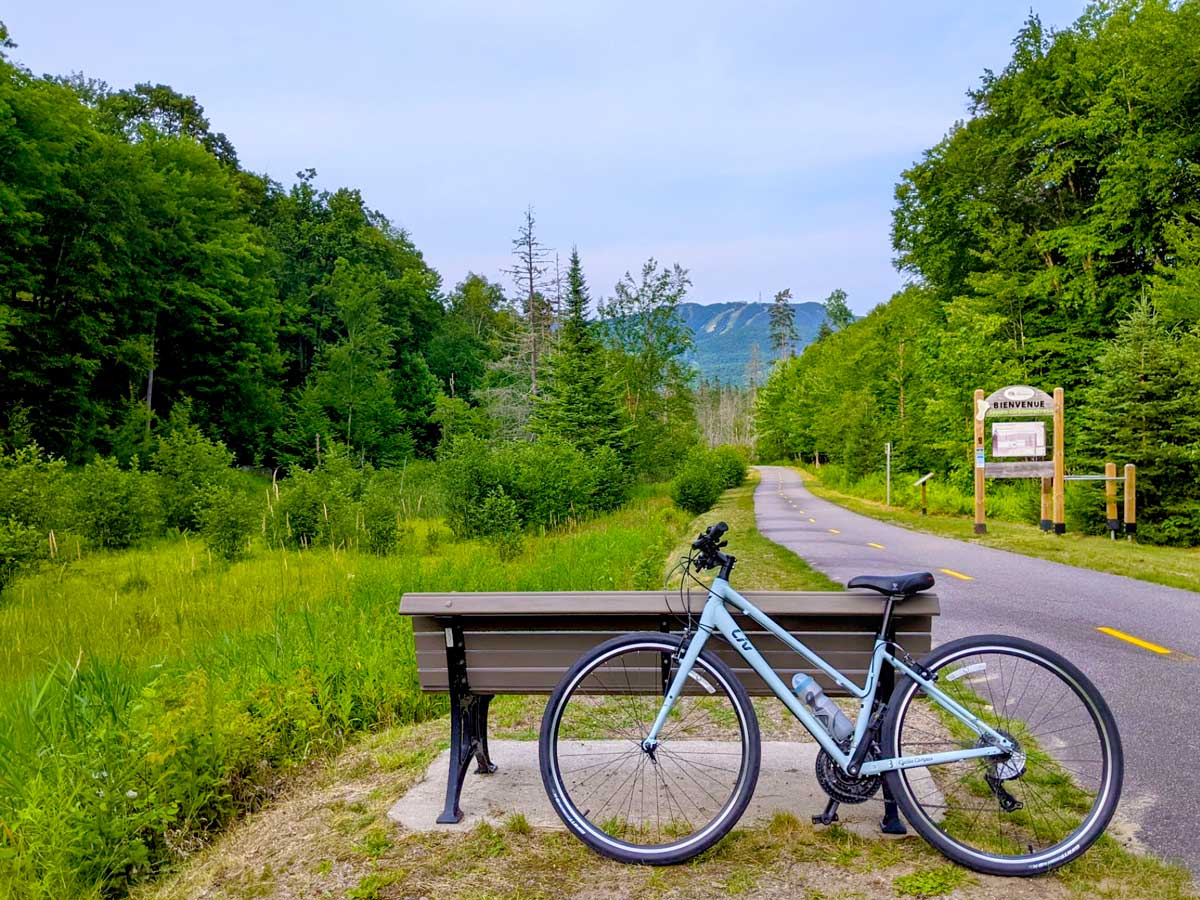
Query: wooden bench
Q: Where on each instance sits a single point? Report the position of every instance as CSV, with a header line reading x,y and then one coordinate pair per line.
x,y
476,645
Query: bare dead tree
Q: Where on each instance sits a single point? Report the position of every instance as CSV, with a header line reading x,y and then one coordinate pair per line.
x,y
529,274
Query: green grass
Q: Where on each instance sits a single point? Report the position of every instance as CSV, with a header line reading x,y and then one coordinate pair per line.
x,y
761,564
1169,566
150,697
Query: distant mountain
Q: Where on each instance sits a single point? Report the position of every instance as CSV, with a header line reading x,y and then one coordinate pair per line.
x,y
725,333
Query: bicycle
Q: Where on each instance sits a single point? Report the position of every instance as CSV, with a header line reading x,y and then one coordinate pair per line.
x,y
964,743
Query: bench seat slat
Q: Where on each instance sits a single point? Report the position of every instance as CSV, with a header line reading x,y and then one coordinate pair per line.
x,y
593,603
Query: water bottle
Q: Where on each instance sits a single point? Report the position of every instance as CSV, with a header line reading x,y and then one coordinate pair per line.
x,y
826,711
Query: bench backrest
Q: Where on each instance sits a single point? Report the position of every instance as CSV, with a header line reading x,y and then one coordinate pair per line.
x,y
522,643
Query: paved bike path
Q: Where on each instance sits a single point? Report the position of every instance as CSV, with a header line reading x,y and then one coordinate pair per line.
x,y
1153,696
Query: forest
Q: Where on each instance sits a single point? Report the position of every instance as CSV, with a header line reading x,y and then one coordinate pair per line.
x,y
1052,238
168,315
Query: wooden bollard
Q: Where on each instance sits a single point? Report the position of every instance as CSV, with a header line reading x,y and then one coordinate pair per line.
x,y
977,413
1047,523
1130,500
1110,499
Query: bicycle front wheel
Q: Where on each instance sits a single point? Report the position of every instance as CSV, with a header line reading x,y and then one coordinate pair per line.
x,y
1027,812
637,806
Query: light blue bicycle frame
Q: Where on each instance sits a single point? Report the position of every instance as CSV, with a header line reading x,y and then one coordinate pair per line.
x,y
716,618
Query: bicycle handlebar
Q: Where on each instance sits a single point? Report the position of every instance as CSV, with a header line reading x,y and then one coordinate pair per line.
x,y
709,544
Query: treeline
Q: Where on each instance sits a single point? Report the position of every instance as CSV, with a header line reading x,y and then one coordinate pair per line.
x,y
143,268
1052,239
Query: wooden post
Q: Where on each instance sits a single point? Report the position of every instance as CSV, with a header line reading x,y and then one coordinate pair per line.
x,y
924,504
1110,499
1060,520
977,412
1130,500
1047,523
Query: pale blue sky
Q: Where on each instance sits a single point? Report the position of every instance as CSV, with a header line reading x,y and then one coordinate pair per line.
x,y
757,144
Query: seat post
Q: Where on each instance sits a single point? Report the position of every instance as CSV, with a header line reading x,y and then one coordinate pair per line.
x,y
885,627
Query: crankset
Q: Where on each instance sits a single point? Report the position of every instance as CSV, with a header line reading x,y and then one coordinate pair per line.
x,y
843,787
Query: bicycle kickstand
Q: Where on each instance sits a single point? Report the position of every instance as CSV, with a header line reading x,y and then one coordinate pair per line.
x,y
829,816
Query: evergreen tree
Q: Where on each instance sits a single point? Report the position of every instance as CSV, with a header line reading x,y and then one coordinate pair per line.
x,y
1141,408
783,325
579,400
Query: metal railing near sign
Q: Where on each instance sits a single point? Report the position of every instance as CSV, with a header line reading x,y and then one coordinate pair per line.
x,y
1022,440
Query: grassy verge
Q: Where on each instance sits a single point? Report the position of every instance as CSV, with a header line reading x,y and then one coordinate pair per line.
x,y
1170,566
330,837
326,834
762,564
147,699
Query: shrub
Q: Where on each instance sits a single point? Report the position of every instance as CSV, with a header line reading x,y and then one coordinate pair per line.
x,y
610,487
501,522
227,519
321,506
697,486
33,488
550,481
730,464
380,518
111,507
19,545
190,464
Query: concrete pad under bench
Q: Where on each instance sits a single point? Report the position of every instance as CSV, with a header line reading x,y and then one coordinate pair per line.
x,y
786,783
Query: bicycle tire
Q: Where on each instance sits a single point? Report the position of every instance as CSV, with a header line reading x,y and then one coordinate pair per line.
x,y
1060,786
710,669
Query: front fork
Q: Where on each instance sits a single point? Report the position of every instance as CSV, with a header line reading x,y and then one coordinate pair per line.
x,y
676,687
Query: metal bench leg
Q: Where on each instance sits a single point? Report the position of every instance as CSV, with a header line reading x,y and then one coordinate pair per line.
x,y
468,727
483,760
468,741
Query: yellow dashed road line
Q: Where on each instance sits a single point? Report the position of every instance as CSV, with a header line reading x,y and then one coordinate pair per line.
x,y
876,546
1136,641
812,520
834,531
958,575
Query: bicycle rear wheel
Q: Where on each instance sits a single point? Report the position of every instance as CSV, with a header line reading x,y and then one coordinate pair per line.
x,y
623,801
1025,813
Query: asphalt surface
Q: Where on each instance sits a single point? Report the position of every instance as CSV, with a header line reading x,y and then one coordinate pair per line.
x,y
1155,697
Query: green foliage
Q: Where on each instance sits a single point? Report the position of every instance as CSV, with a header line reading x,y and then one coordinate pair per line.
x,y
319,507
642,328
381,516
227,519
580,399
549,481
19,545
1142,407
500,520
931,882
112,508
783,324
190,465
201,687
730,464
1031,231
33,488
698,484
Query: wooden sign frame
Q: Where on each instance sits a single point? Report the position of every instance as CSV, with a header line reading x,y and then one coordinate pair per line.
x,y
1021,400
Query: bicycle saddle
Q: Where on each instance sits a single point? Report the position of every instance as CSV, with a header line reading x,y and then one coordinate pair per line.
x,y
894,585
